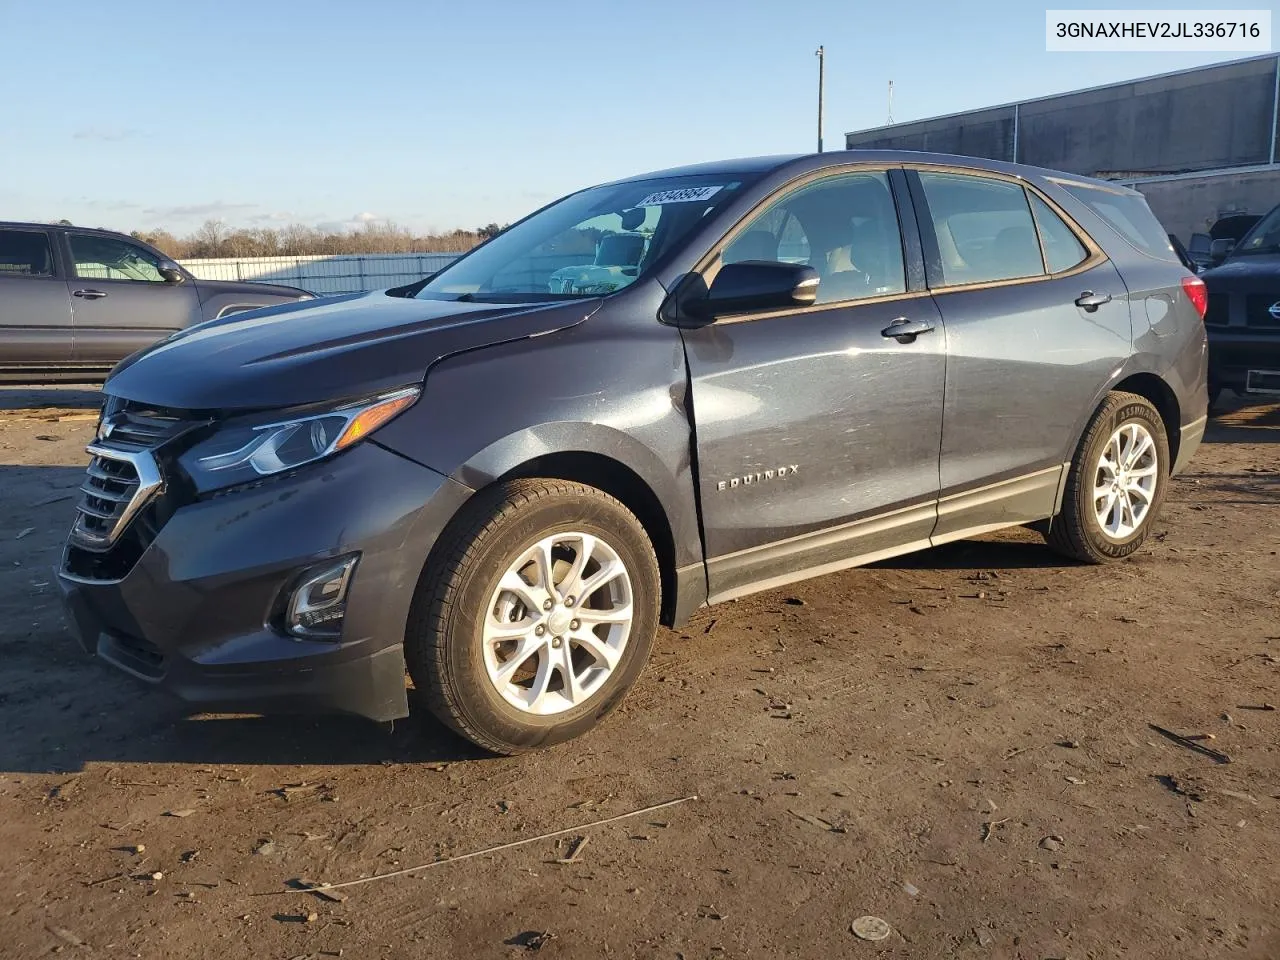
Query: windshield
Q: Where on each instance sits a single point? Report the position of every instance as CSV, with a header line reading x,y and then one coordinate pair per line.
x,y
1263,238
590,243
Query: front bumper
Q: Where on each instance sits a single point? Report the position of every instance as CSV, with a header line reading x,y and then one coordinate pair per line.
x,y
1234,352
194,614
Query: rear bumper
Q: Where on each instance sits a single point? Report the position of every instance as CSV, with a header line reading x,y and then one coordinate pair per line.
x,y
195,614
1189,441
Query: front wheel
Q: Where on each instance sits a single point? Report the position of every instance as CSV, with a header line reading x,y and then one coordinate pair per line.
x,y
536,617
1116,482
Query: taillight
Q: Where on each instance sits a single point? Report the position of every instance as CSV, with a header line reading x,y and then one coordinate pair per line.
x,y
1197,293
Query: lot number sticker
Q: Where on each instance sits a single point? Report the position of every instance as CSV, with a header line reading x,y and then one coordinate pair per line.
x,y
685,195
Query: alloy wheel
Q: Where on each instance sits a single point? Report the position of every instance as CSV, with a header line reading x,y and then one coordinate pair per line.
x,y
1125,481
557,623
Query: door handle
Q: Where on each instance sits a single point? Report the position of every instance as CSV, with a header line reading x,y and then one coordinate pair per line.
x,y
88,294
1090,301
905,331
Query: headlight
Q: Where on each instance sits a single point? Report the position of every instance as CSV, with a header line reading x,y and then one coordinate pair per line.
x,y
243,452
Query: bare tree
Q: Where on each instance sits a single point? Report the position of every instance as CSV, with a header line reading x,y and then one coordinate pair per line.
x,y
214,239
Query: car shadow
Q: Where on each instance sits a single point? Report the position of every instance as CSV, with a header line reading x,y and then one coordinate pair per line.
x,y
307,740
148,727
74,396
1244,420
979,555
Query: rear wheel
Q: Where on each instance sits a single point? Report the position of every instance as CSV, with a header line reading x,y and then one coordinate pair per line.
x,y
1116,482
537,617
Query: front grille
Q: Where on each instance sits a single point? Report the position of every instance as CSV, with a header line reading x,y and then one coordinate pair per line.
x,y
1258,311
134,427
118,483
125,499
1219,311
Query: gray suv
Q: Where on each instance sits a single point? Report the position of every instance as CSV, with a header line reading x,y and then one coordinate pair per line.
x,y
76,301
504,483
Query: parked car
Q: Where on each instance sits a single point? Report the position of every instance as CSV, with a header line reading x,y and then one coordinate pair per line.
x,y
508,488
75,301
1210,249
1243,319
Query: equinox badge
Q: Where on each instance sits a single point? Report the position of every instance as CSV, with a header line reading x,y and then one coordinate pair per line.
x,y
761,476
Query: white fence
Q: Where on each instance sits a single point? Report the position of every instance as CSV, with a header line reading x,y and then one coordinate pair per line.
x,y
326,276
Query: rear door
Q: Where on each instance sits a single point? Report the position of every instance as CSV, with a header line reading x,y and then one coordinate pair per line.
x,y
120,302
1036,320
817,432
35,310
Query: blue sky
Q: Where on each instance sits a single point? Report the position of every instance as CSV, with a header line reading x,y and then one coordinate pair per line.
x,y
445,114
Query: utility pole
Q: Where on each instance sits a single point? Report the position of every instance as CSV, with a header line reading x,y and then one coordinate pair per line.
x,y
891,103
821,58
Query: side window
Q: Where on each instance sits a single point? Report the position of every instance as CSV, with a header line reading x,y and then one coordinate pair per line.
x,y
25,253
109,258
1128,214
1062,248
984,228
845,227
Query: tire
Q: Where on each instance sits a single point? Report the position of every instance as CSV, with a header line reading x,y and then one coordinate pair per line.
x,y
1077,531
1215,394
458,672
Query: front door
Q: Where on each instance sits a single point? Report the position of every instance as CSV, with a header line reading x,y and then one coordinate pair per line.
x,y
817,434
121,303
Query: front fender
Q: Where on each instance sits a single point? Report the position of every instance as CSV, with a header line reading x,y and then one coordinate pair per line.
x,y
611,388
600,440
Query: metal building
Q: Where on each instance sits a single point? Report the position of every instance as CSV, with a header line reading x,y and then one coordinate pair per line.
x,y
1199,143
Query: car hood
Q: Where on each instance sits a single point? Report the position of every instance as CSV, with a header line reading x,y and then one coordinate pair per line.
x,y
1249,274
317,350
207,288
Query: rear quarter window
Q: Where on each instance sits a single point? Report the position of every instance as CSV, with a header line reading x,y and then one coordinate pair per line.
x,y
1129,215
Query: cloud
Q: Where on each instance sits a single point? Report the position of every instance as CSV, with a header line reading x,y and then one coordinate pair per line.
x,y
217,209
106,134
351,223
110,204
275,216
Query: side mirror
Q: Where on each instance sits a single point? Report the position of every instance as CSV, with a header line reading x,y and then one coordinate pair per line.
x,y
1221,249
756,285
171,272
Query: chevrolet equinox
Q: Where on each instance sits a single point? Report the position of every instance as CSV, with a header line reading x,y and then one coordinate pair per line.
x,y
649,396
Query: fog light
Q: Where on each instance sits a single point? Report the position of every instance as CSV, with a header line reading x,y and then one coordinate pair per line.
x,y
319,601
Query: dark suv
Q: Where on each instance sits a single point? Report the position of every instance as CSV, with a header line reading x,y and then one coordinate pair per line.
x,y
1244,313
506,483
75,301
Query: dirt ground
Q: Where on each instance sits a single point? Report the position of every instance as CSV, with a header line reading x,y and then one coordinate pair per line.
x,y
959,742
